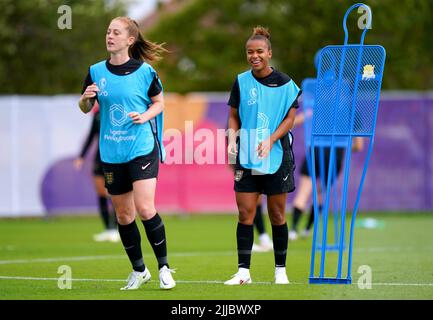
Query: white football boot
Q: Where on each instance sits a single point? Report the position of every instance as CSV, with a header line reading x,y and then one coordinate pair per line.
x,y
136,279
240,278
166,280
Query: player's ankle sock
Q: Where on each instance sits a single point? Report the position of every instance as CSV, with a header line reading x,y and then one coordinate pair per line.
x,y
155,232
258,220
103,211
113,218
280,238
295,218
245,239
311,217
131,240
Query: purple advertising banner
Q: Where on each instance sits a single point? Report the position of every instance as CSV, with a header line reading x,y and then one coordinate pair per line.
x,y
399,176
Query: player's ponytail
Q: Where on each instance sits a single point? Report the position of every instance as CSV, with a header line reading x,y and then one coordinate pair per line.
x,y
142,49
146,50
261,33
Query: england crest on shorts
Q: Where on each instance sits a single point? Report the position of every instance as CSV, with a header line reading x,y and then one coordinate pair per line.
x,y
238,175
109,177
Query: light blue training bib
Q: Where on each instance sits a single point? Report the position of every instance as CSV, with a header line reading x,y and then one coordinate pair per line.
x,y
120,139
261,111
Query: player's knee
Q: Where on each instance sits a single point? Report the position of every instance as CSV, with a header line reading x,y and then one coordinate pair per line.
x,y
146,210
277,216
300,200
102,192
277,220
125,215
246,215
125,219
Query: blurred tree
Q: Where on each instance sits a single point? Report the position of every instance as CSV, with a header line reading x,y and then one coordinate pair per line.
x,y
37,57
207,39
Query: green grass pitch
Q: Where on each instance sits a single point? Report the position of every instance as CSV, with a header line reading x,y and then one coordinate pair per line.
x,y
202,248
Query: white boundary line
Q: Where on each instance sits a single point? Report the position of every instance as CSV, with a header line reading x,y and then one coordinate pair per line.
x,y
113,257
83,258
201,281
186,254
179,254
115,280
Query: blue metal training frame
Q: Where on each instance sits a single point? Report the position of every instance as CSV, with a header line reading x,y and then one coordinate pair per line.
x,y
349,79
308,95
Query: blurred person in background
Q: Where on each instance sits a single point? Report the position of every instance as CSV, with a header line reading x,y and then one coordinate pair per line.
x,y
131,105
265,242
110,232
263,101
305,187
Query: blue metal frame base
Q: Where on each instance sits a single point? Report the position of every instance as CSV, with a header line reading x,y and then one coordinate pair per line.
x,y
330,281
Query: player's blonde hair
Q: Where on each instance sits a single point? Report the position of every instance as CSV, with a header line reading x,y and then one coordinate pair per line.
x,y
141,49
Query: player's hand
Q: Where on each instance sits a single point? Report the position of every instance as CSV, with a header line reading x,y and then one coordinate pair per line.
x,y
232,152
264,148
232,149
137,117
78,163
90,92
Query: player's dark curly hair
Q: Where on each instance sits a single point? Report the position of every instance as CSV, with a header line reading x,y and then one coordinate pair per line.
x,y
261,33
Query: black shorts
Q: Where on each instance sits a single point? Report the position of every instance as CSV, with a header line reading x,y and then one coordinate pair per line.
x,y
120,176
282,181
97,165
339,156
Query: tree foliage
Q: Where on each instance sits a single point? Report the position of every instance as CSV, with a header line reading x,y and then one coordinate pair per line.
x,y
207,39
36,57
